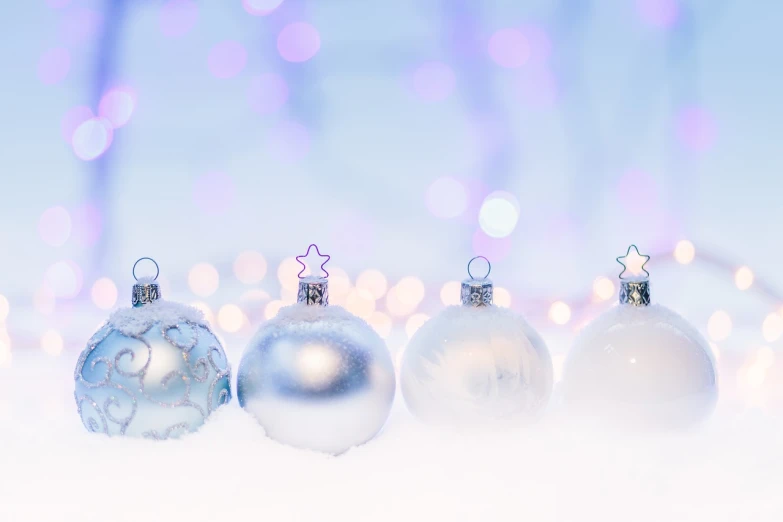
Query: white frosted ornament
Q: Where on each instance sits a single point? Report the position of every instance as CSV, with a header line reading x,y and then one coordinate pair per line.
x,y
154,370
316,376
475,364
639,366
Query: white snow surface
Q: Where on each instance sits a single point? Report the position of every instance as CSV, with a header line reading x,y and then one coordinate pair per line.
x,y
53,470
134,321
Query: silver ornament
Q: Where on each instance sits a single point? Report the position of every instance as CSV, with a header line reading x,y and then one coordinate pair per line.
x,y
476,364
316,376
640,366
155,370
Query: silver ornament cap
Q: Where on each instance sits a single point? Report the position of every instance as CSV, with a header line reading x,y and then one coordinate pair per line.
x,y
313,290
477,292
634,289
146,290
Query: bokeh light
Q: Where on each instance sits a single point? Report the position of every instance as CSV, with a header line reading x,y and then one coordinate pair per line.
x,y
203,279
205,309
287,273
433,81
72,119
415,322
772,327
214,193
501,297
493,248
53,66
177,17
719,326
44,300
87,225
684,252
267,93
499,214
360,302
298,42
603,288
410,290
92,138
450,293
231,318
743,278
52,342
117,105
509,48
272,307
250,267
661,14
5,352
54,226
374,282
696,129
261,7
227,59
447,198
381,323
339,285
559,313
104,293
5,308
64,278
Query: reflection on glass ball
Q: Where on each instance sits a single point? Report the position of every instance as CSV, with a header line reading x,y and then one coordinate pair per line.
x,y
317,377
158,381
641,368
470,365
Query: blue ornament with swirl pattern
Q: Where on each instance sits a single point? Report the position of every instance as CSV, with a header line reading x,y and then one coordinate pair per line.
x,y
155,370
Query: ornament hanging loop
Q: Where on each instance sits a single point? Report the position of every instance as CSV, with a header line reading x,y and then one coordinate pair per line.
x,y
139,260
313,289
320,255
489,267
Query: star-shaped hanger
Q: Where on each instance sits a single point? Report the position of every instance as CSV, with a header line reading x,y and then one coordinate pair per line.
x,y
634,263
304,266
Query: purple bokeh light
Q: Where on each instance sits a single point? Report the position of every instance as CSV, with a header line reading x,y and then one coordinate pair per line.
x,y
87,225
261,7
227,59
92,138
72,119
495,249
509,48
661,14
298,42
117,105
53,66
214,193
267,93
54,226
696,129
79,25
289,142
538,42
433,81
178,17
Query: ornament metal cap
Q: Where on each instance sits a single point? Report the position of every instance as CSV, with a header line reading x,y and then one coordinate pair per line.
x,y
313,290
477,292
635,290
146,290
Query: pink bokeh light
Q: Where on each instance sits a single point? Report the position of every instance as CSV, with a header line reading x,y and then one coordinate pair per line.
x,y
117,105
72,119
661,14
53,66
495,249
509,48
177,17
80,25
92,138
54,226
433,81
696,129
538,42
214,193
261,7
227,59
289,142
267,93
298,42
87,225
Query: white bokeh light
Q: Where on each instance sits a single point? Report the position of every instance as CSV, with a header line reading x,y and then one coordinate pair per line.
x,y
499,214
203,279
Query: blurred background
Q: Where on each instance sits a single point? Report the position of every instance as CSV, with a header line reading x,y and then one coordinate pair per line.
x,y
222,137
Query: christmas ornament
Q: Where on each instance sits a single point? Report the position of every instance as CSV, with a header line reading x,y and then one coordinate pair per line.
x,y
154,370
640,364
476,363
316,376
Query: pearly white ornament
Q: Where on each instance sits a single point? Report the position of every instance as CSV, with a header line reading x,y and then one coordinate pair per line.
x,y
639,365
476,364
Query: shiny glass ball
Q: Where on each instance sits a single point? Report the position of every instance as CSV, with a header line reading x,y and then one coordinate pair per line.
x,y
640,368
317,377
473,365
154,379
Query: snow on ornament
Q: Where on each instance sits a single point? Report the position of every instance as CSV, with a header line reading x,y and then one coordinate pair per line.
x,y
476,364
316,376
154,370
639,366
